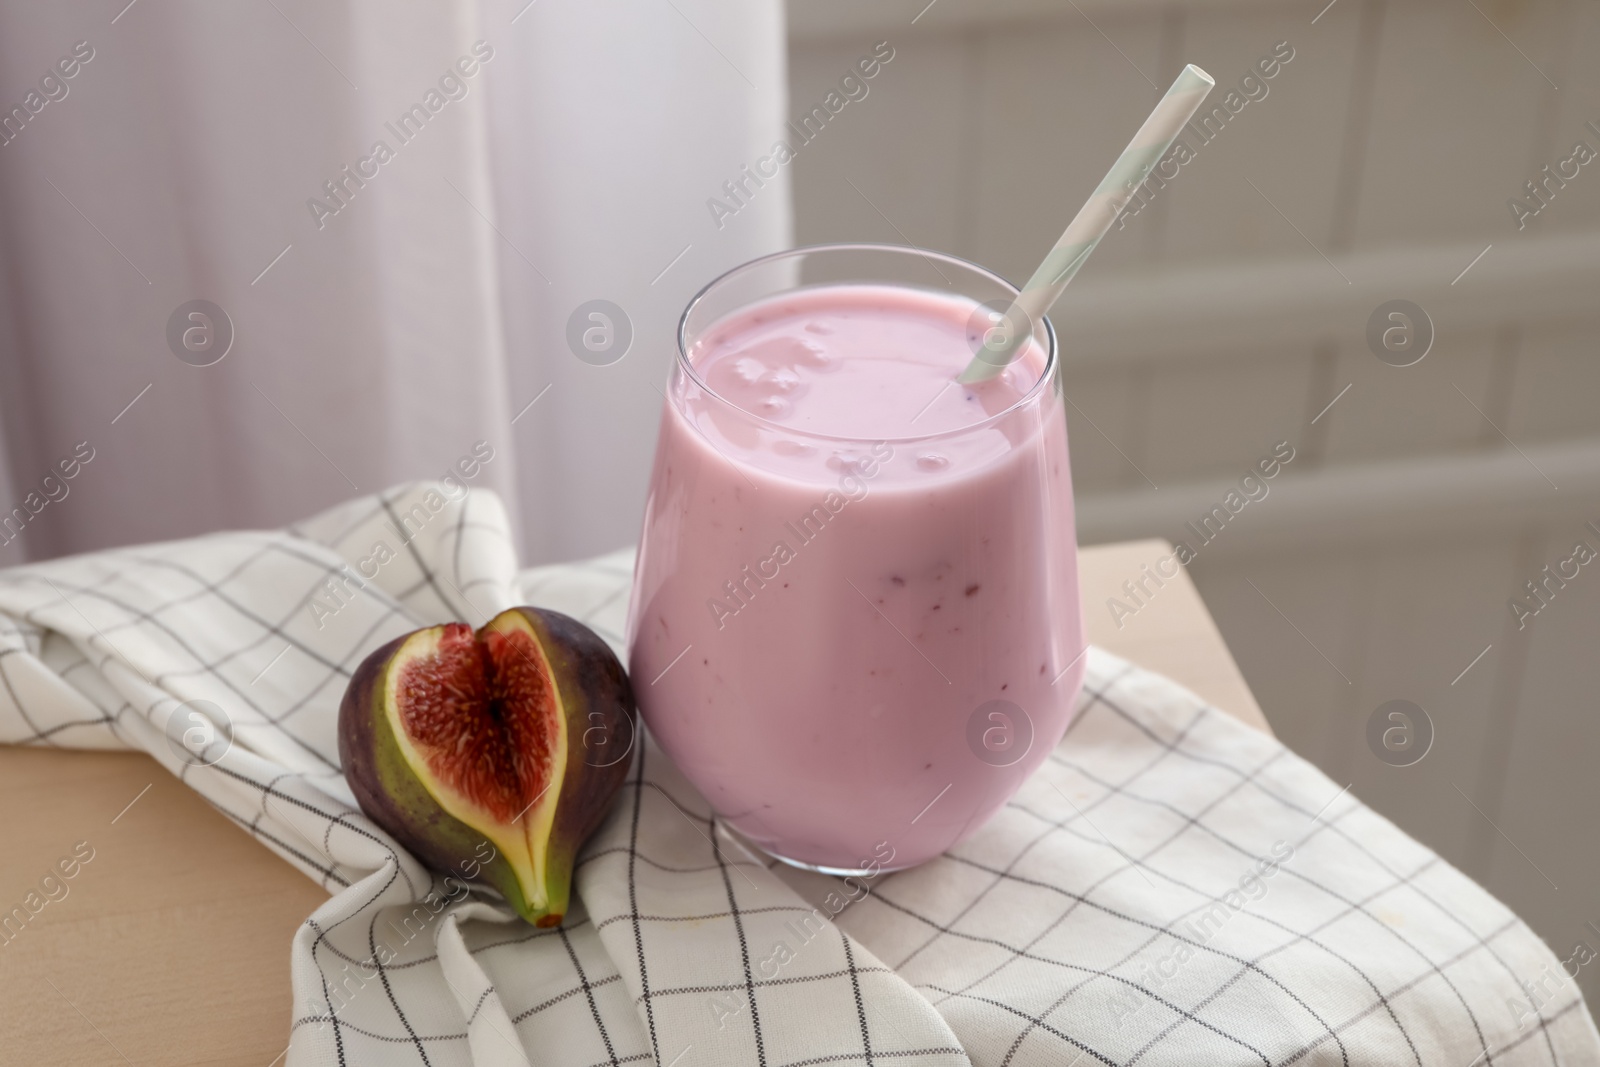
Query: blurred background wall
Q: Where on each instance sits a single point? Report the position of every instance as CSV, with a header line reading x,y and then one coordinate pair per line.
x,y
1232,309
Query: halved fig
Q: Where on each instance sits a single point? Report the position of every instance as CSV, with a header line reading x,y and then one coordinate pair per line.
x,y
514,737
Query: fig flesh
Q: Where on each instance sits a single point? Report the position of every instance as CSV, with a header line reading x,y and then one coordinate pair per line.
x,y
515,735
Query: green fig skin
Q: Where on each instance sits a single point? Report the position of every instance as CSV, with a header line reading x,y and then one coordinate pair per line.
x,y
594,698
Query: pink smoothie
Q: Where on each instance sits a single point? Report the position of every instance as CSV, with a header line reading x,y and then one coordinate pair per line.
x,y
846,557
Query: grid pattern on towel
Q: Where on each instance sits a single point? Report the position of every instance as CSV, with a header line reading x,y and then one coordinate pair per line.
x,y
1172,887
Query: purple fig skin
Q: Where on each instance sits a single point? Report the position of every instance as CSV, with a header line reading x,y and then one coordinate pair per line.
x,y
593,698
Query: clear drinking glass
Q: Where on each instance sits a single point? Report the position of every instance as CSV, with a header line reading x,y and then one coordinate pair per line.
x,y
856,645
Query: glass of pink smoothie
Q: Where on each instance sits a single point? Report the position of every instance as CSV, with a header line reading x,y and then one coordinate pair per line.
x,y
855,623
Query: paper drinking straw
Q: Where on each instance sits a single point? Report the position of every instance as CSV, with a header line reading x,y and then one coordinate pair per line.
x,y
1091,222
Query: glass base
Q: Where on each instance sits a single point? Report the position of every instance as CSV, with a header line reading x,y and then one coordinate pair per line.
x,y
818,868
837,872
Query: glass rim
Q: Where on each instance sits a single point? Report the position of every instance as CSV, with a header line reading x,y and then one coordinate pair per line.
x,y
1027,398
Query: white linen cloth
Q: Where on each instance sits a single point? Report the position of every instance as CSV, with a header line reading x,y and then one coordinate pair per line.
x,y
1172,887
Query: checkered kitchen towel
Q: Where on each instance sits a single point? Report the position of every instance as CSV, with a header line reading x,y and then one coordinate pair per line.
x,y
1171,888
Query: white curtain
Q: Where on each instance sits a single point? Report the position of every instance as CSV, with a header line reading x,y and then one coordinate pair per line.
x,y
381,333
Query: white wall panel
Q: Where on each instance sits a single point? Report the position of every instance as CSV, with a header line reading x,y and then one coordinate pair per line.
x,y
897,144
1409,410
1106,434
1577,205
1551,791
1058,103
1556,394
1288,143
1306,700
1453,131
1218,416
1436,604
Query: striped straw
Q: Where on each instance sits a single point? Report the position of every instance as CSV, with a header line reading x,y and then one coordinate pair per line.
x,y
1084,232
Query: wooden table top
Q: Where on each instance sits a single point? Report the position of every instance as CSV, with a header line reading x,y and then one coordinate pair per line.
x,y
146,959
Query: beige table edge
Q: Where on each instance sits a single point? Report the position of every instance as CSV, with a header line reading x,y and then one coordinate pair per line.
x,y
172,943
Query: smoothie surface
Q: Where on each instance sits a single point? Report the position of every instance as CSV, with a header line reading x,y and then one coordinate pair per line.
x,y
869,362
